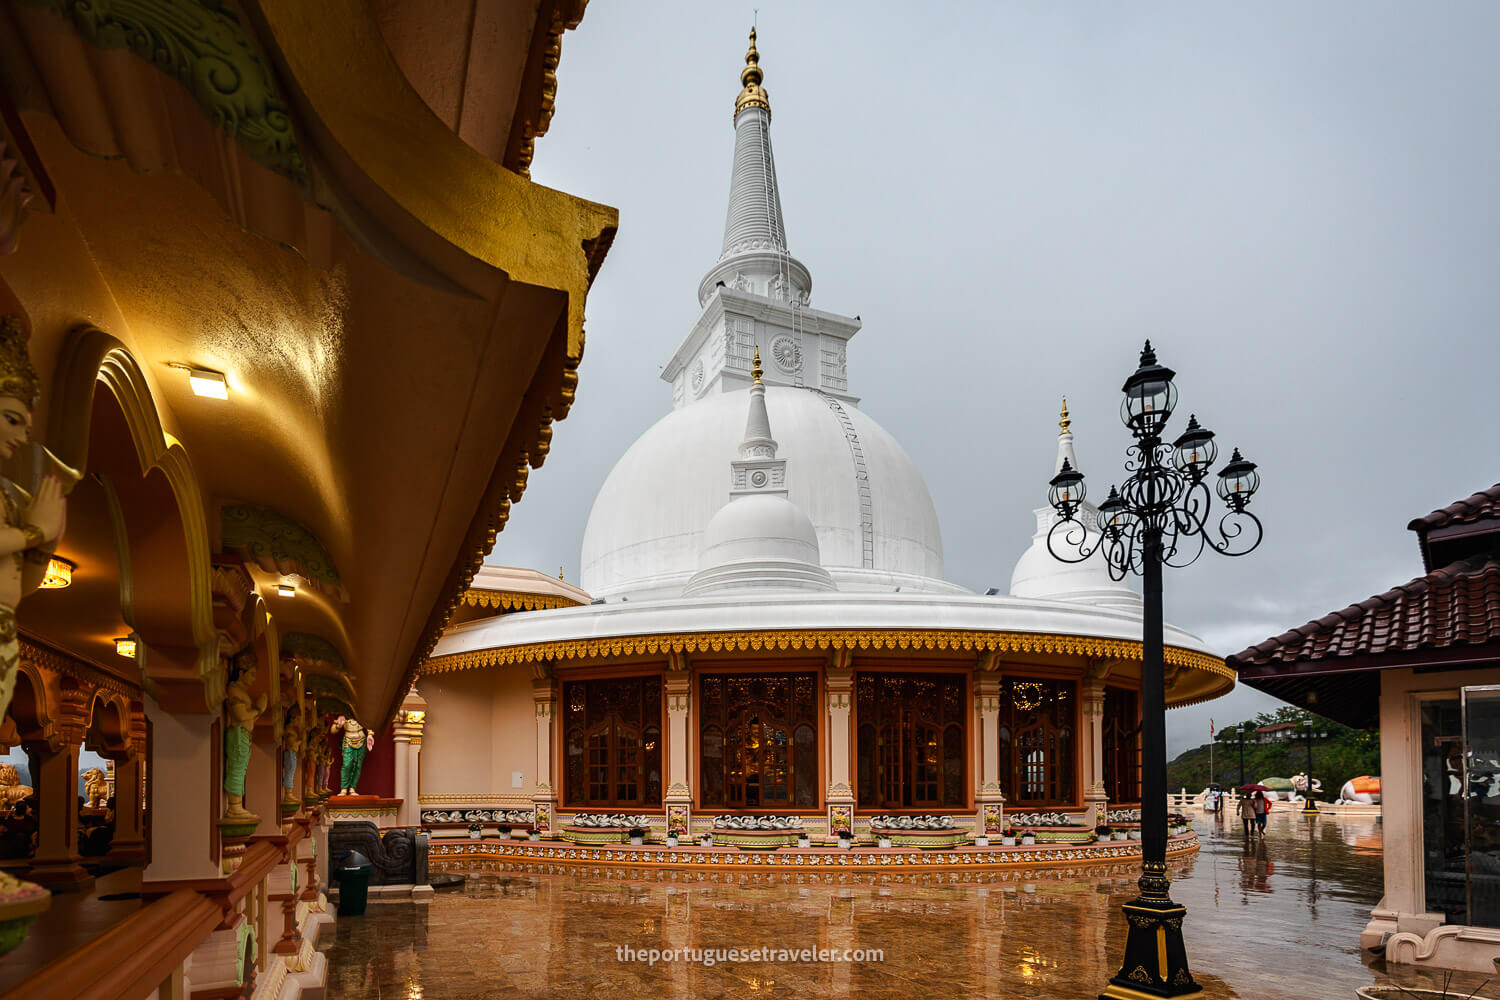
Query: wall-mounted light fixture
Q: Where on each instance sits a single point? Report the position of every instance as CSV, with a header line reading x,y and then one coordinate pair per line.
x,y
59,573
126,647
204,381
286,589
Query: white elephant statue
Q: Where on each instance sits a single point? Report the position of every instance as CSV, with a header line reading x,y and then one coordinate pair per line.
x,y
1289,789
1364,790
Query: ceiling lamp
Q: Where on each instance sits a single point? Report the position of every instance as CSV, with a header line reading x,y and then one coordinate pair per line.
x,y
286,589
126,647
59,573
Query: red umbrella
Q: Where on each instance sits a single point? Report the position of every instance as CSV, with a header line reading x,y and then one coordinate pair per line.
x,y
1254,788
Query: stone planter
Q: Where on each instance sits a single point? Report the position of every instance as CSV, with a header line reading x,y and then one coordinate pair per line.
x,y
982,841
844,843
1064,834
804,841
1005,841
1028,840
1135,835
534,835
928,840
591,835
1121,835
671,840
756,840
882,841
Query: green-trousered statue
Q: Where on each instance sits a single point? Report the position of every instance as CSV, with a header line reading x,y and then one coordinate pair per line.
x,y
242,711
357,742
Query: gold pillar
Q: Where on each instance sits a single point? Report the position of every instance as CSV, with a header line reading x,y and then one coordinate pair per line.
x,y
678,688
408,738
989,794
128,846
56,780
838,687
544,797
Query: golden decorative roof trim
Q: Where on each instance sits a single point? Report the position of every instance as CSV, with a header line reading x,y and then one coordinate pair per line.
x,y
515,600
965,640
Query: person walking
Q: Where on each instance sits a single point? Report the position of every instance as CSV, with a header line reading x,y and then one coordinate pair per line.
x,y
1262,806
1247,812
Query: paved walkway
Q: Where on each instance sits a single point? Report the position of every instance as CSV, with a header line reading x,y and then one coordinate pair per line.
x,y
1274,920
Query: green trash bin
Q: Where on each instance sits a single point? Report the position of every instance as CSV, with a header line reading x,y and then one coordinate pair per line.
x,y
354,884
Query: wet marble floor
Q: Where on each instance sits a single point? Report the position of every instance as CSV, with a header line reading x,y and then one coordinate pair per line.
x,y
1279,919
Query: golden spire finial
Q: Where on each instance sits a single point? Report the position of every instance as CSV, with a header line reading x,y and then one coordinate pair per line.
x,y
752,94
1065,422
755,372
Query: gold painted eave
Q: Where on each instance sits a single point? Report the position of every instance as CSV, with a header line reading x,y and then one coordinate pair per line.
x,y
409,171
1213,677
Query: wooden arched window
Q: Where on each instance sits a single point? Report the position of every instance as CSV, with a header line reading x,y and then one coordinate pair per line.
x,y
910,741
612,743
1121,730
1037,741
758,741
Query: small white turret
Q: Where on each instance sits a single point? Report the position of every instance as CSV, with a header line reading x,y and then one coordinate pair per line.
x,y
1042,575
759,540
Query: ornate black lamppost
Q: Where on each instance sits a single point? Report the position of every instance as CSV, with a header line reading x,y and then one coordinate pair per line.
x,y
1159,516
1242,752
1309,807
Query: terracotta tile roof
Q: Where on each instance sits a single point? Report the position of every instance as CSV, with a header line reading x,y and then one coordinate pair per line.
x,y
1485,503
1457,605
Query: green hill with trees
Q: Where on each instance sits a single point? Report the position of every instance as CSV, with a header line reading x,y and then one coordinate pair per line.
x,y
1339,753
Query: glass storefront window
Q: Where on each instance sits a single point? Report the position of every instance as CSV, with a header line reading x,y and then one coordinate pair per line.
x,y
1481,709
1442,809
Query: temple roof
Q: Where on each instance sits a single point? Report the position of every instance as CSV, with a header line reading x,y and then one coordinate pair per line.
x,y
1485,503
1457,605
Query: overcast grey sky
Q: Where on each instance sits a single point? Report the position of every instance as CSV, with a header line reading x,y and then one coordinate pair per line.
x,y
1298,204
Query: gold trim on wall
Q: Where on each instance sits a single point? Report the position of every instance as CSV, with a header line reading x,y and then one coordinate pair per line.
x,y
515,600
957,640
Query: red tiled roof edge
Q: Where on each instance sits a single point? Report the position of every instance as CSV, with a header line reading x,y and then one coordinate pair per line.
x,y
1389,621
1485,503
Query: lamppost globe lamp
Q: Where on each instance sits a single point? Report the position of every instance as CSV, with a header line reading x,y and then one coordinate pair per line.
x,y
1067,489
1160,515
1112,514
1194,450
1150,397
1238,481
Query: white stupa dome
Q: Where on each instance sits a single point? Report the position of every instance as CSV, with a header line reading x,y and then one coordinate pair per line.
x,y
875,525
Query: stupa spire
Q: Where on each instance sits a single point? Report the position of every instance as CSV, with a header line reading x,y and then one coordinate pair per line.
x,y
752,94
754,256
758,443
1065,441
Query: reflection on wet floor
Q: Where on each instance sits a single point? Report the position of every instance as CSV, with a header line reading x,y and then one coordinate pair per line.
x,y
1278,918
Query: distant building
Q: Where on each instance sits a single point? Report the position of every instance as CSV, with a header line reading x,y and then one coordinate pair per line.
x,y
1422,660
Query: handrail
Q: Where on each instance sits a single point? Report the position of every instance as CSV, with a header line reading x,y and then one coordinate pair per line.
x,y
136,955
130,959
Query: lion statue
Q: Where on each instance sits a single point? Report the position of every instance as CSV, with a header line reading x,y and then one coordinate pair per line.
x,y
11,789
95,791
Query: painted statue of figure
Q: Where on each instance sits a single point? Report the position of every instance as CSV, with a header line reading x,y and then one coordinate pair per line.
x,y
293,741
357,742
242,711
33,524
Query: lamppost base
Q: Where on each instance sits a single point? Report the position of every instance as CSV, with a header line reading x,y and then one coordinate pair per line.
x,y
1155,963
1310,808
